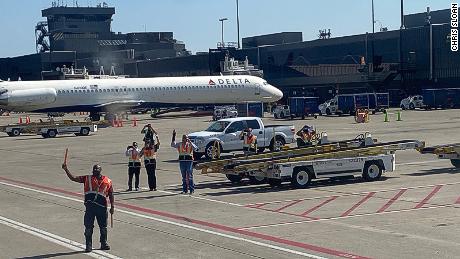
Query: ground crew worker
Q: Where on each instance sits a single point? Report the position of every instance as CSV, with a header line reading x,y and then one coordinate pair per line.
x,y
306,135
150,135
249,141
185,149
96,187
134,166
149,152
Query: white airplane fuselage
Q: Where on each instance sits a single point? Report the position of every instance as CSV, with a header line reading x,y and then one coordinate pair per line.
x,y
100,95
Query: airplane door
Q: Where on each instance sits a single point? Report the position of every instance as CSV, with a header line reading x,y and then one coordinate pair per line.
x,y
257,92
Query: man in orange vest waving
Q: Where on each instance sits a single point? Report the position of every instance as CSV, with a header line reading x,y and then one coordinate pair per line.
x,y
97,187
185,149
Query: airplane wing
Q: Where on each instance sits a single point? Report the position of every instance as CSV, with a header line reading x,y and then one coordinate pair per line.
x,y
120,105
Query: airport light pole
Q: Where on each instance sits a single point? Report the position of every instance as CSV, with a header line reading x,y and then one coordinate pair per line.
x,y
222,20
373,36
238,22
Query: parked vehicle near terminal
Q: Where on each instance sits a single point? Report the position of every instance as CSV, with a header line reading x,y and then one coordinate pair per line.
x,y
224,112
349,103
250,109
345,104
225,134
303,106
444,98
412,102
379,102
281,112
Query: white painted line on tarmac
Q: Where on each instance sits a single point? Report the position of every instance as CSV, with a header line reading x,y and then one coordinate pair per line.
x,y
75,246
195,196
422,162
279,248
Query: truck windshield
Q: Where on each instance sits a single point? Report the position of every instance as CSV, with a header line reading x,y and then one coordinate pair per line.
x,y
218,126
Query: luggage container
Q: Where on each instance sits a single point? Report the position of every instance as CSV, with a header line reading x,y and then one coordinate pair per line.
x,y
303,106
251,109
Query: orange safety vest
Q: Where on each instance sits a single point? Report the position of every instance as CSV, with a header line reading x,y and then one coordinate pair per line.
x,y
249,141
93,185
149,153
134,157
185,150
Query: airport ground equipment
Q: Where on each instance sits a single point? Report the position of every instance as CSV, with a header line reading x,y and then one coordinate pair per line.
x,y
412,102
226,132
444,98
303,107
343,104
272,166
449,151
51,129
250,109
281,111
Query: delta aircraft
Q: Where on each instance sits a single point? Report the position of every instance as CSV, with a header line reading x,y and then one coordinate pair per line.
x,y
98,96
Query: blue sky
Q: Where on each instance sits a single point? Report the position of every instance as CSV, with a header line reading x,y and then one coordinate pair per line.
x,y
196,21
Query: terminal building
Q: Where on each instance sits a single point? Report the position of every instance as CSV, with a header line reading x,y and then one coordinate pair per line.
x,y
400,62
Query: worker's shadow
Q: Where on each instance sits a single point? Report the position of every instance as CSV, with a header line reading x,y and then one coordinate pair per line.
x,y
227,188
57,255
447,170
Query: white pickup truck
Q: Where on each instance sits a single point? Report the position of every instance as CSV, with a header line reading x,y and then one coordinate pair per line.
x,y
226,132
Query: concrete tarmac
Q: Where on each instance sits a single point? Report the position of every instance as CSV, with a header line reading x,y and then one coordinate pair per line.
x,y
410,213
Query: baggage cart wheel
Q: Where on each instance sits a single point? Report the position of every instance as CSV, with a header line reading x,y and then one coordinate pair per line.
x,y
52,133
455,162
372,171
16,132
84,132
301,178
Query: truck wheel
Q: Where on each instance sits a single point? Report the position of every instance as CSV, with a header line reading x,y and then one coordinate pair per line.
x,y
234,178
275,145
412,106
372,171
328,111
84,132
16,132
210,151
455,162
282,115
52,133
403,107
10,134
257,180
275,115
274,182
301,178
44,135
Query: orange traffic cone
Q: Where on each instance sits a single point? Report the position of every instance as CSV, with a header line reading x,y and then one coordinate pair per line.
x,y
20,120
27,120
134,121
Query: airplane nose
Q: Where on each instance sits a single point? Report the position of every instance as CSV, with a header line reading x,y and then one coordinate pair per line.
x,y
277,94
